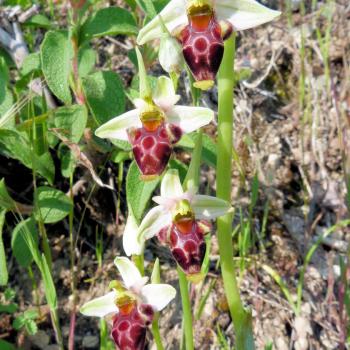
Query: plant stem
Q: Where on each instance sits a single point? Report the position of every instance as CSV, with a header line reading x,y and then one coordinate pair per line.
x,y
241,318
186,309
156,335
56,327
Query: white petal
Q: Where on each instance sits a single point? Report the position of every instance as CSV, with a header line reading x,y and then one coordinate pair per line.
x,y
131,244
116,128
171,185
190,118
158,295
206,207
101,306
129,272
156,219
244,14
164,94
173,15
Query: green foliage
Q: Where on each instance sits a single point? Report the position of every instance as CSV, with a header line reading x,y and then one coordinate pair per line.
x,y
71,121
6,202
16,145
56,54
138,192
20,248
8,308
39,21
104,92
52,205
86,60
27,321
3,266
4,345
50,290
109,21
4,77
31,63
68,161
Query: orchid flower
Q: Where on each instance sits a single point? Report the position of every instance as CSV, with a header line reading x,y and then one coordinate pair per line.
x,y
201,26
132,305
179,220
155,125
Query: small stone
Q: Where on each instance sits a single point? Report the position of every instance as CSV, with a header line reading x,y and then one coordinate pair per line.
x,y
90,342
40,339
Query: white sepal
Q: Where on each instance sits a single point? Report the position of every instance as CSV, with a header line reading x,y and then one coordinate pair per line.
x,y
117,127
244,14
131,244
158,295
156,219
171,185
101,306
206,207
170,54
173,15
164,94
129,272
190,118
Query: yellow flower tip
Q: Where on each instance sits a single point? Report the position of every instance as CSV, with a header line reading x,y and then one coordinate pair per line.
x,y
147,178
196,277
204,84
199,7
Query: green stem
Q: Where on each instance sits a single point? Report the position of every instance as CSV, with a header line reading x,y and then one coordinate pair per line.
x,y
186,309
156,334
241,318
56,327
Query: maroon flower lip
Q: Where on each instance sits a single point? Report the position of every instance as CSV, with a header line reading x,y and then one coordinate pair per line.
x,y
187,244
152,147
129,329
202,43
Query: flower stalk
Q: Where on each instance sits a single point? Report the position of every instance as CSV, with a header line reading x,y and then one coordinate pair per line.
x,y
241,318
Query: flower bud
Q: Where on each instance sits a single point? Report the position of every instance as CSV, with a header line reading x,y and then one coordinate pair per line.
x,y
170,55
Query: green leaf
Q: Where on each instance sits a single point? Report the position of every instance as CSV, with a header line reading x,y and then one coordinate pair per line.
x,y
71,121
4,78
68,161
19,322
31,314
56,53
7,103
4,345
50,290
39,21
208,150
109,21
19,243
16,145
31,327
104,92
86,60
31,63
8,309
138,192
52,205
3,266
6,202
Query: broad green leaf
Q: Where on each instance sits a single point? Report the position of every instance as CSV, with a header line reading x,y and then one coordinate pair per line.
x,y
86,60
4,77
31,63
138,192
3,266
109,21
68,161
19,243
31,314
8,309
56,54
50,290
71,121
16,145
104,92
4,345
39,21
19,322
52,205
6,202
7,103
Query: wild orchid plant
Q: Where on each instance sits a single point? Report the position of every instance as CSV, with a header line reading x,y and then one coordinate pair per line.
x,y
157,123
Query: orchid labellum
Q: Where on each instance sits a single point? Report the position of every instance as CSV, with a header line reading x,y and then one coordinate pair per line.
x,y
180,220
201,26
155,125
131,304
